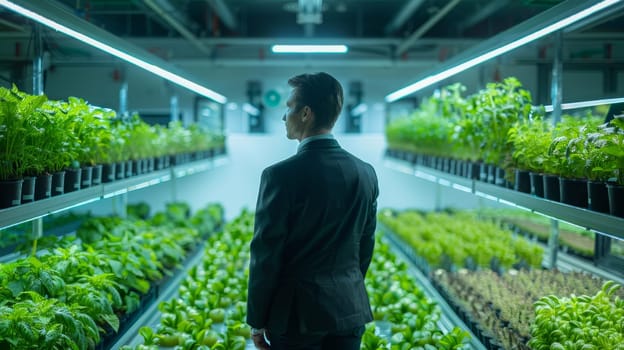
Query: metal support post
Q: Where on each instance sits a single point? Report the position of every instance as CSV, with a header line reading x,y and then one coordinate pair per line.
x,y
438,197
120,205
37,229
553,244
123,93
556,96
38,61
174,106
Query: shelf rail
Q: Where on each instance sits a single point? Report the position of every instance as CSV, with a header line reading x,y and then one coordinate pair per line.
x,y
38,209
603,224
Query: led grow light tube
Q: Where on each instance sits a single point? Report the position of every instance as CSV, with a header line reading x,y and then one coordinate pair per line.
x,y
309,49
573,105
172,77
432,79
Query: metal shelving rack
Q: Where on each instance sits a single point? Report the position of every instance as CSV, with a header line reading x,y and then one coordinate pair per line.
x,y
605,226
38,209
592,220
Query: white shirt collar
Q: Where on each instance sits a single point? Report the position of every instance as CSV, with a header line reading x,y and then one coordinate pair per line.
x,y
314,138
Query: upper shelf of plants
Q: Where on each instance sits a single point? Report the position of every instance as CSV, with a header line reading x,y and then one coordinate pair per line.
x,y
504,146
56,154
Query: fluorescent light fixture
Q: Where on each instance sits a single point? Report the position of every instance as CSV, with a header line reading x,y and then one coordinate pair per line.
x,y
359,109
432,79
309,48
250,109
163,73
573,105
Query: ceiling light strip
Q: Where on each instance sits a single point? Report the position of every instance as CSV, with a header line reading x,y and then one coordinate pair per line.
x,y
309,49
166,74
582,104
523,40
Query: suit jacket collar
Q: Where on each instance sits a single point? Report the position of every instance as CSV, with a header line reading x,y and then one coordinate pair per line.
x,y
319,144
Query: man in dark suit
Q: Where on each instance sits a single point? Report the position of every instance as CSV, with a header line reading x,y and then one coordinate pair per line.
x,y
314,232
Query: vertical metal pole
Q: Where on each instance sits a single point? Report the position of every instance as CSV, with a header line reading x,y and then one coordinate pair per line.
x,y
37,89
175,109
38,62
120,202
556,94
438,197
123,92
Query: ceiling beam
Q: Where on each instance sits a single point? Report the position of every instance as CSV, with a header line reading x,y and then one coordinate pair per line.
x,y
224,13
167,12
12,25
425,27
482,13
404,13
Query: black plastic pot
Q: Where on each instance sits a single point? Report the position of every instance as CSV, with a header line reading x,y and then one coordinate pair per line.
x,y
159,163
483,172
616,200
86,176
491,173
137,168
499,176
120,170
150,164
43,186
537,184
551,188
166,162
72,180
58,183
96,175
573,192
10,193
129,168
473,170
28,189
108,172
523,181
597,197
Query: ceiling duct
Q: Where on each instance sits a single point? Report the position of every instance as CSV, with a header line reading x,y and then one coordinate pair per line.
x,y
310,12
176,19
224,13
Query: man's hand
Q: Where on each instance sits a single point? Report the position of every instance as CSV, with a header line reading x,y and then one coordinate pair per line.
x,y
259,336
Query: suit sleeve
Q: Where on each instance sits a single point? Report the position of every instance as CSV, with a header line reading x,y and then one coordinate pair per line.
x,y
267,245
367,242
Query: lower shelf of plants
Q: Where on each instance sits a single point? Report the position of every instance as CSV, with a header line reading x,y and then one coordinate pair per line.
x,y
209,311
83,290
507,303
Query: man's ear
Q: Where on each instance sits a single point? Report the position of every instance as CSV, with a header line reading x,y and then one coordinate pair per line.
x,y
307,114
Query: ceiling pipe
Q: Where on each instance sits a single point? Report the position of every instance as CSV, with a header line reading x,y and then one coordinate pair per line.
x,y
12,25
425,27
224,13
406,12
167,12
482,13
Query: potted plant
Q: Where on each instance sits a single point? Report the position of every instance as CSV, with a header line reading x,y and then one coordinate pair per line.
x,y
501,105
16,155
614,148
530,140
599,168
568,151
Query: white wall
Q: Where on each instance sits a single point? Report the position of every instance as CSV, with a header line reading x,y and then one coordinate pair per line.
x,y
236,183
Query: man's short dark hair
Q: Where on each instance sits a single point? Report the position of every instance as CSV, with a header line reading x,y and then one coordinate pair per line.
x,y
322,93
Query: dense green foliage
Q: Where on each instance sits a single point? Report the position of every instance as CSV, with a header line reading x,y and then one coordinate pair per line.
x,y
461,239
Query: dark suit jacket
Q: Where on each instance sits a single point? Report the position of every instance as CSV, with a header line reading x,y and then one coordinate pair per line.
x,y
313,242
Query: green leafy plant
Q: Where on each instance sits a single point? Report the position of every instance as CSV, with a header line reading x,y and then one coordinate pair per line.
x,y
17,112
613,148
567,151
579,322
